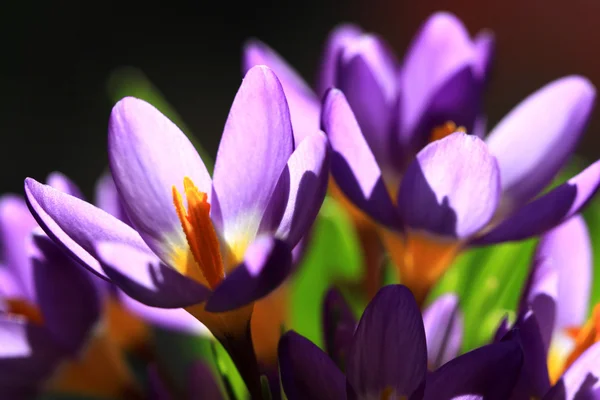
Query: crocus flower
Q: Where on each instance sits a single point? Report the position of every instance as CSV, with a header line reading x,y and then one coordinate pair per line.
x,y
399,109
231,243
553,306
388,360
201,384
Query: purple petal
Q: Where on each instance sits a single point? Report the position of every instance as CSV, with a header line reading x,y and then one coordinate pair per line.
x,y
367,76
266,265
256,145
202,383
547,211
339,325
175,319
107,198
353,165
141,275
452,188
308,174
540,294
443,323
389,348
569,249
27,356
61,182
149,155
340,37
534,141
489,373
9,286
502,330
16,224
307,372
66,294
577,373
485,46
439,80
76,225
158,388
303,102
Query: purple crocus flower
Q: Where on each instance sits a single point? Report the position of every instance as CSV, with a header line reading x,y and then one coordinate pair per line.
x,y
388,360
48,304
232,244
430,197
554,301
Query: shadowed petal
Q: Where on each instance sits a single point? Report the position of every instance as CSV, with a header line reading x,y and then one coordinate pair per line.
x,y
176,319
485,46
148,155
307,372
338,327
443,323
534,141
16,224
339,38
302,100
489,373
452,188
308,174
367,77
67,296
61,182
547,211
439,80
107,198
569,250
256,145
202,383
353,165
389,348
141,275
576,375
76,225
157,388
266,264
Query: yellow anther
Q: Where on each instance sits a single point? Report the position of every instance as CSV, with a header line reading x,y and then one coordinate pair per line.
x,y
440,132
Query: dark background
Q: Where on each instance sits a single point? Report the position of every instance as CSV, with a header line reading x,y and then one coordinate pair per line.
x,y
57,56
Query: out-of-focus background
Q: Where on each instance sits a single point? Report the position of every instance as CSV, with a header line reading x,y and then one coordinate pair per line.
x,y
57,58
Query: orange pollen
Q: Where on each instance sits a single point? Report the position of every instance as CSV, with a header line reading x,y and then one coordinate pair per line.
x,y
25,309
440,132
199,231
585,337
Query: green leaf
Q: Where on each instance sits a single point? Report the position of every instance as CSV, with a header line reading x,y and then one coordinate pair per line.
x,y
129,81
334,255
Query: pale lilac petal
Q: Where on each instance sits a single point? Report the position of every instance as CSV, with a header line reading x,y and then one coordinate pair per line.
x,y
540,294
353,165
389,348
256,145
307,372
9,286
66,295
16,224
141,275
175,319
547,211
439,80
76,225
340,37
577,373
489,373
148,155
308,174
534,141
443,322
267,263
367,77
61,182
302,100
107,198
452,188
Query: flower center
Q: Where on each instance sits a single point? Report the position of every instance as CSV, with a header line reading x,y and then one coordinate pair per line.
x,y
200,233
440,132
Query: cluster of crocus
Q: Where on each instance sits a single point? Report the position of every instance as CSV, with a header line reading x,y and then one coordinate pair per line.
x,y
404,146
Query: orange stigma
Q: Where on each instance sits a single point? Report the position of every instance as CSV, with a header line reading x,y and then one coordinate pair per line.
x,y
200,232
440,132
25,309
